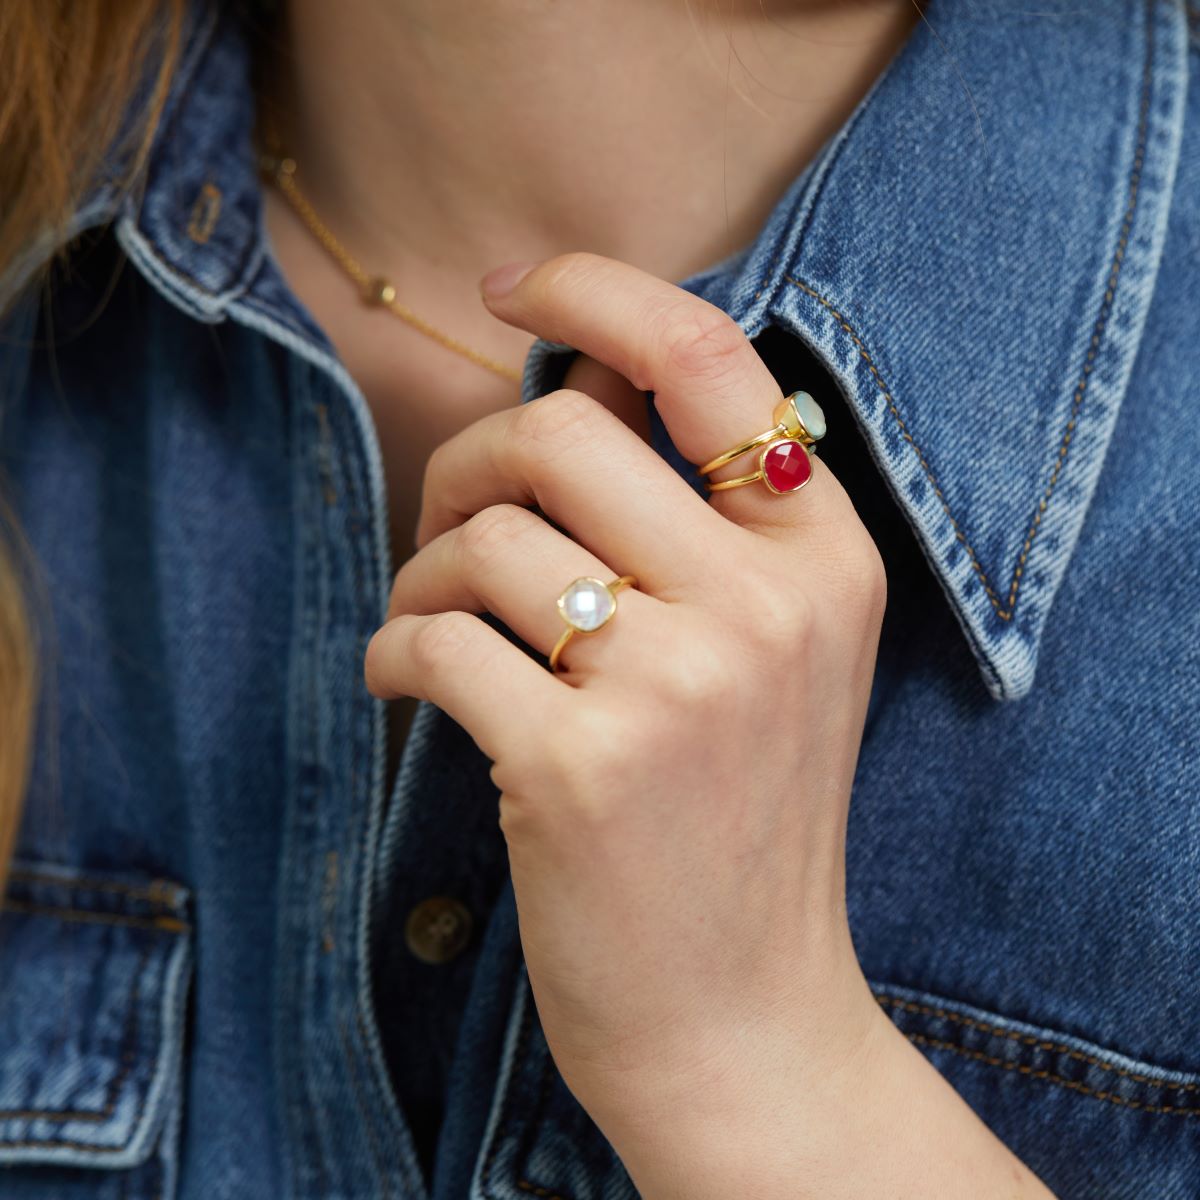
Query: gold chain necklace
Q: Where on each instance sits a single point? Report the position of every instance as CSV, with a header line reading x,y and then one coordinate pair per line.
x,y
376,291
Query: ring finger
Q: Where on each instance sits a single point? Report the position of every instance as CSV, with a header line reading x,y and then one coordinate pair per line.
x,y
508,561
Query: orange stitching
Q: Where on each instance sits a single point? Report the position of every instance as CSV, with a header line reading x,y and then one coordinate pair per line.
x,y
329,902
908,437
505,1108
1105,308
1038,1044
158,891
328,491
64,1144
1029,1040
518,1058
166,924
1050,1077
1005,609
547,1076
205,212
767,276
546,1193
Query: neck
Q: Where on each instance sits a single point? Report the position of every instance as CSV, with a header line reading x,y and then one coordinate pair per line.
x,y
440,139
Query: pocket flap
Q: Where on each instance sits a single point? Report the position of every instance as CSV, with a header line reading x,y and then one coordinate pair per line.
x,y
94,972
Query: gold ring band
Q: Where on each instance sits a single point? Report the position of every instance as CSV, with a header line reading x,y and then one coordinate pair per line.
x,y
784,465
587,605
798,417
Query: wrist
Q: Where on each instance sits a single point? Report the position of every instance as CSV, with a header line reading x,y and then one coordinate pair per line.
x,y
859,1112
758,1099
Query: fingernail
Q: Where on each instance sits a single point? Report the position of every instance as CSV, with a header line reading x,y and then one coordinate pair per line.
x,y
502,280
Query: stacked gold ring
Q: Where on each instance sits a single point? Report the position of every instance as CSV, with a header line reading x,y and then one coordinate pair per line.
x,y
784,464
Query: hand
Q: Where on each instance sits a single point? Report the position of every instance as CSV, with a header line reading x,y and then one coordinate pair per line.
x,y
675,803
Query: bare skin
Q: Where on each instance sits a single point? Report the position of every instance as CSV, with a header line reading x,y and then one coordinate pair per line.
x,y
437,148
652,131
658,133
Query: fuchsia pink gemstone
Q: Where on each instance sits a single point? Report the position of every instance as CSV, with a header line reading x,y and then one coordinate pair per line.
x,y
786,466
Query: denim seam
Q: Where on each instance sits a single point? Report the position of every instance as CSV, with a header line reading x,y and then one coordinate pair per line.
x,y
158,891
506,1109
1049,1076
908,437
504,1124
206,305
535,1190
1006,608
278,326
304,1150
548,1071
128,1062
382,1174
1102,318
1033,1042
163,924
360,877
206,212
318,1067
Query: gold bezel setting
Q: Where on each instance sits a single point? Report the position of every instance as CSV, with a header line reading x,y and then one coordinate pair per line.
x,y
807,447
600,586
622,581
789,423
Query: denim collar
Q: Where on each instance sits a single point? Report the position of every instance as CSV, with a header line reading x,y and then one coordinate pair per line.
x,y
972,255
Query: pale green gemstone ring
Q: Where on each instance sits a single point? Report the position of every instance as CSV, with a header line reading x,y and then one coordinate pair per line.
x,y
797,417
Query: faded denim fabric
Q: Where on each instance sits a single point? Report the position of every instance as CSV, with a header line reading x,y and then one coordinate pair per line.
x,y
989,277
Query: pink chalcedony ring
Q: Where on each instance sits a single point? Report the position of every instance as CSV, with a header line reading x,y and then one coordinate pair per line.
x,y
785,458
784,466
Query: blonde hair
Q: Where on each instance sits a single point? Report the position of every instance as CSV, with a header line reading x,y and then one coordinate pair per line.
x,y
70,72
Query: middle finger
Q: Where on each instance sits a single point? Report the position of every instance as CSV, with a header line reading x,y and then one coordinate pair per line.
x,y
589,473
711,387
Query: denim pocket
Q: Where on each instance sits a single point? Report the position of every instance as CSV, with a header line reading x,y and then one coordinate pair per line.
x,y
94,972
1093,1123
1090,1120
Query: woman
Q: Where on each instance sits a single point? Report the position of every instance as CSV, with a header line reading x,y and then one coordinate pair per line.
x,y
601,920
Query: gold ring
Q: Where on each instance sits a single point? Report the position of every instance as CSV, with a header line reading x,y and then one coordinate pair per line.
x,y
797,417
784,466
587,605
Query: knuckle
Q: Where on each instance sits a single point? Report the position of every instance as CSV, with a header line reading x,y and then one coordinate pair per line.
x,y
597,767
860,580
490,532
874,578
440,638
699,339
783,619
696,682
546,426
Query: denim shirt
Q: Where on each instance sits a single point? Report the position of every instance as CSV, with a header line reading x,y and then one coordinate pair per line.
x,y
990,276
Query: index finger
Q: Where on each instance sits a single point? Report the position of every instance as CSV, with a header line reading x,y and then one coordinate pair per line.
x,y
710,386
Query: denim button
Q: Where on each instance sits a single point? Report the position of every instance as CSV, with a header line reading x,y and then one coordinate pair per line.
x,y
438,929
